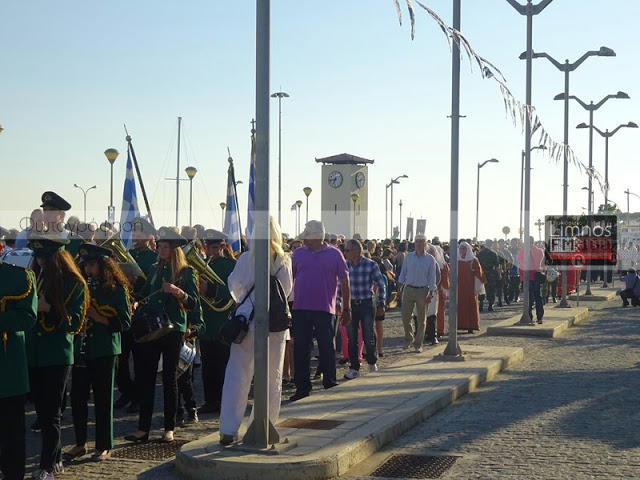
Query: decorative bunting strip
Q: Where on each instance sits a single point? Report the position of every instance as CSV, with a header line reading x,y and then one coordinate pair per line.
x,y
514,108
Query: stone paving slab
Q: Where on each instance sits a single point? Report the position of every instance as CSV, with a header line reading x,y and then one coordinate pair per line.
x,y
599,294
376,409
556,321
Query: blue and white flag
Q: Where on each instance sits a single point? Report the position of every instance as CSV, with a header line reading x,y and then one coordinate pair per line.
x,y
252,197
232,215
129,205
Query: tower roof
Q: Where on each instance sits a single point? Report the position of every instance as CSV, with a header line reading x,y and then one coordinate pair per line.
x,y
344,159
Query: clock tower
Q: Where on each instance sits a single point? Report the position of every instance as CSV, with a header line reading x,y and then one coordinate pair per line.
x,y
345,194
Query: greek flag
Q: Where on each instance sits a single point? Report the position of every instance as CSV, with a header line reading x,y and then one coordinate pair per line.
x,y
232,215
252,197
129,205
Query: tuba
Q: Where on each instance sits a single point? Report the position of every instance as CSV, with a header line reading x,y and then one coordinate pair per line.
x,y
206,272
120,254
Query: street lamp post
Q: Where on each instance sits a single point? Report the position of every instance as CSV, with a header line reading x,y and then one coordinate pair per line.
x,y
529,10
589,212
191,172
541,147
223,205
480,165
280,96
607,135
591,107
400,223
627,192
354,198
393,180
307,191
84,193
567,68
111,154
298,204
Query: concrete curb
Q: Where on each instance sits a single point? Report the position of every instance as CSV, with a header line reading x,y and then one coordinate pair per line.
x,y
556,321
376,409
599,295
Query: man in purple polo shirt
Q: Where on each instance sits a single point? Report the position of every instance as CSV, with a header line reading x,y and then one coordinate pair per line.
x,y
317,269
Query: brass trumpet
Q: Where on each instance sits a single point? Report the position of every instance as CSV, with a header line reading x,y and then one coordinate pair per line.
x,y
123,257
205,272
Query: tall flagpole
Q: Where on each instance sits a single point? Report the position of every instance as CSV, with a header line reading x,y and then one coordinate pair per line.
x,y
135,164
261,432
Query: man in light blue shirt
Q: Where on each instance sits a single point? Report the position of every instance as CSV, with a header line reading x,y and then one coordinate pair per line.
x,y
419,277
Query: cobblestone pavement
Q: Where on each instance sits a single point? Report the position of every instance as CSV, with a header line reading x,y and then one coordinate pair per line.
x,y
128,469
568,411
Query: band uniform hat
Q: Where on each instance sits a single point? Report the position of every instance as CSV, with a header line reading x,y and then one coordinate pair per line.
x,y
52,199
168,235
44,245
214,236
89,251
142,226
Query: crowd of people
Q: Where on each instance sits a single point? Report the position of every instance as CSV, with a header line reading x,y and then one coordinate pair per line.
x,y
86,308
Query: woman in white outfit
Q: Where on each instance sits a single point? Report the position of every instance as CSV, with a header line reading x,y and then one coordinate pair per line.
x,y
239,373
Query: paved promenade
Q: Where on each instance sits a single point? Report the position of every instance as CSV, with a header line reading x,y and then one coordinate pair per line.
x,y
563,386
568,411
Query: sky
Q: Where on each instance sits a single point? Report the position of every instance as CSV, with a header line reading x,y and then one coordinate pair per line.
x,y
74,72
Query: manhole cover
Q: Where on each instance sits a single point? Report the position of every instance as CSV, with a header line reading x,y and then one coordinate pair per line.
x,y
414,466
154,450
310,423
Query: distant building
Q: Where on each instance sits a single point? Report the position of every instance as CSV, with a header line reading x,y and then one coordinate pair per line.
x,y
343,176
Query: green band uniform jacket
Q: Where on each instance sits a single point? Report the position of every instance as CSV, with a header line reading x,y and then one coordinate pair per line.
x,y
18,313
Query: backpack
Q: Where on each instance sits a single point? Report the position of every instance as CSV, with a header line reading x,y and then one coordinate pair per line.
x,y
279,313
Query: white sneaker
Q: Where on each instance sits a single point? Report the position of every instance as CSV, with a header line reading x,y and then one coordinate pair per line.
x,y
42,475
373,368
418,349
351,374
58,468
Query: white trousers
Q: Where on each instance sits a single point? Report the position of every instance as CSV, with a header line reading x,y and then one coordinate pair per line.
x,y
237,381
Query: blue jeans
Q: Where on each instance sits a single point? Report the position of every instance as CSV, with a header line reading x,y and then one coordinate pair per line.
x,y
365,314
303,325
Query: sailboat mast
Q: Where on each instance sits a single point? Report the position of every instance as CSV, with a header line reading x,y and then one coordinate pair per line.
x,y
178,174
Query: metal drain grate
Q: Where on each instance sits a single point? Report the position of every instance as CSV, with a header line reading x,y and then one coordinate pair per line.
x,y
153,450
310,423
414,466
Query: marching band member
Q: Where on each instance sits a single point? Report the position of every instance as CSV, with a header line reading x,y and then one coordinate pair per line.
x,y
171,287
18,311
214,353
97,348
141,232
63,298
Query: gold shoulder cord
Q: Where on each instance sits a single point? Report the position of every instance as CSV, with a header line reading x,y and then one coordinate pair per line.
x,y
82,313
5,299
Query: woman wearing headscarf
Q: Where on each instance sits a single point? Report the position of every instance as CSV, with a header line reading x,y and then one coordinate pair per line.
x,y
468,270
438,322
63,299
171,287
240,369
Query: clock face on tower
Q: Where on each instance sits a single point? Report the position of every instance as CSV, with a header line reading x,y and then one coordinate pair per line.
x,y
335,179
360,179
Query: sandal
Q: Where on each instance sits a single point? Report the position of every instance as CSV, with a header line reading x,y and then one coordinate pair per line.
x,y
76,452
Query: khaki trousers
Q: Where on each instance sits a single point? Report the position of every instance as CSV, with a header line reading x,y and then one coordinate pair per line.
x,y
414,297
